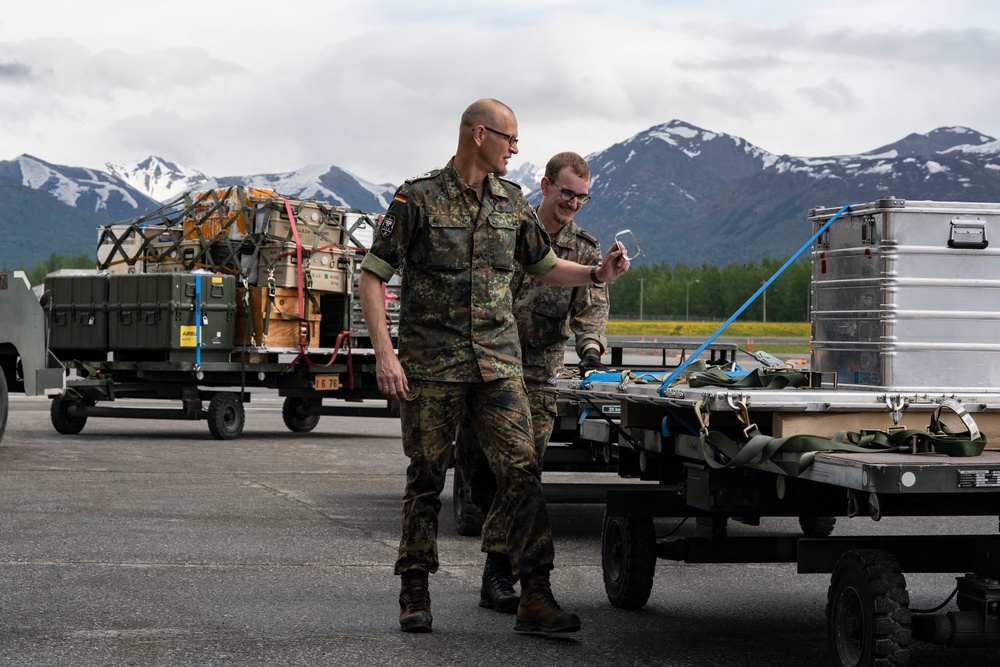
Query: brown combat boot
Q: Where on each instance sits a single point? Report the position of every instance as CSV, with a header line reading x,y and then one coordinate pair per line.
x,y
498,585
414,603
539,611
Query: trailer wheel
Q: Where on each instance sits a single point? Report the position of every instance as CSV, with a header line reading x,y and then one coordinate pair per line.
x,y
61,419
868,612
3,403
628,559
225,416
468,517
817,526
292,411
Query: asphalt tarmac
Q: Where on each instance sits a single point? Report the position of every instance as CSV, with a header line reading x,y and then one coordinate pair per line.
x,y
149,543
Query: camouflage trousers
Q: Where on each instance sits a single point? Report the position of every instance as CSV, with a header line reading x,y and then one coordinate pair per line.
x,y
479,475
430,418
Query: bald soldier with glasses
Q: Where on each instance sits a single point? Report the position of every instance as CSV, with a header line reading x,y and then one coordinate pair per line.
x,y
457,235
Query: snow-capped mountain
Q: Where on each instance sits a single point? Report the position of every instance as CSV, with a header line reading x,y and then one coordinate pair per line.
x,y
160,179
164,180
690,195
85,189
695,196
528,176
326,182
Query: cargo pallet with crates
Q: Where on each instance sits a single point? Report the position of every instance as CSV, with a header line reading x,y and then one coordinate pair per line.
x,y
898,415
212,295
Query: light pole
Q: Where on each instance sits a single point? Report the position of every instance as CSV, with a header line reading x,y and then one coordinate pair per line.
x,y
763,296
687,299
641,281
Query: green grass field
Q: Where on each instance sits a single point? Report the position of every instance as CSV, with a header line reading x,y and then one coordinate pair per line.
x,y
702,330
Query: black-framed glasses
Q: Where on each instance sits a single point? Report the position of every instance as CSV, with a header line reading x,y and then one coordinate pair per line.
x,y
511,139
569,195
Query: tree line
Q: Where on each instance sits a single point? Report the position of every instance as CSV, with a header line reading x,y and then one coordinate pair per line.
x,y
711,292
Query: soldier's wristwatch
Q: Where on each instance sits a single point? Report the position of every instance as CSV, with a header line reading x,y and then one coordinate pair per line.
x,y
593,275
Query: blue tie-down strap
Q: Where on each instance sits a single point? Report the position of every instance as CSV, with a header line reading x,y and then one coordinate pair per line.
x,y
805,246
600,377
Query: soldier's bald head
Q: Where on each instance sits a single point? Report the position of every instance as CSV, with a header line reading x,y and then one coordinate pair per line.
x,y
486,111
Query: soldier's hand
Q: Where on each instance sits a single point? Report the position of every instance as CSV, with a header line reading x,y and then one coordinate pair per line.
x,y
591,361
615,263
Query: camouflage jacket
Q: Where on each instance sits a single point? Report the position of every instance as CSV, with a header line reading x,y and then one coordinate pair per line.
x,y
457,257
546,314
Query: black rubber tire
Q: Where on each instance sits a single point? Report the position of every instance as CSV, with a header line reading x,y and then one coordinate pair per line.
x,y
817,526
295,420
628,559
3,404
468,517
61,419
226,417
868,611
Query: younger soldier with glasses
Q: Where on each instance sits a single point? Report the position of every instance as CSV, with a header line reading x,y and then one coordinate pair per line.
x,y
545,315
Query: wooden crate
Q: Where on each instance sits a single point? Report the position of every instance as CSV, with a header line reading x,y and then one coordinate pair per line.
x,y
282,332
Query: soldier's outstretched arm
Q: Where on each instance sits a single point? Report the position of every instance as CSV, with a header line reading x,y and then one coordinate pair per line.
x,y
570,274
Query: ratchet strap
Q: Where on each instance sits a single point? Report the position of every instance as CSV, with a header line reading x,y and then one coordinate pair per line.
x,y
721,451
680,368
760,378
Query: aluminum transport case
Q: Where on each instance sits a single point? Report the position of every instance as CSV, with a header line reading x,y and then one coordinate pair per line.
x,y
906,295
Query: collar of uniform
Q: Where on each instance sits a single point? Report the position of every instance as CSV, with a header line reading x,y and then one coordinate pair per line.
x,y
496,187
564,235
455,186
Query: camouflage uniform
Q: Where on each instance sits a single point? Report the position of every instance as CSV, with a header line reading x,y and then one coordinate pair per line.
x,y
545,316
458,346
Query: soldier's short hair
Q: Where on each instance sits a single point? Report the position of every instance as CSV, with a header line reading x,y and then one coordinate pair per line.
x,y
484,112
560,161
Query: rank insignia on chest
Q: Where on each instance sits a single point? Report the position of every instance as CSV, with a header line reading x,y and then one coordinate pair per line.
x,y
388,222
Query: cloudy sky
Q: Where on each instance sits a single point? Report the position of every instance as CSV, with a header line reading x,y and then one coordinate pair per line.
x,y
377,86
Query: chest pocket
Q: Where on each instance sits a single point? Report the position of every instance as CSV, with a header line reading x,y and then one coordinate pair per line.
x,y
503,239
446,245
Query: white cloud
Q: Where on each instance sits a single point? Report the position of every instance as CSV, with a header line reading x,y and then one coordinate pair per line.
x,y
377,87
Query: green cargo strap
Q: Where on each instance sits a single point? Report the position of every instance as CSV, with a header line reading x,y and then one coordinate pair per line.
x,y
939,438
765,378
760,448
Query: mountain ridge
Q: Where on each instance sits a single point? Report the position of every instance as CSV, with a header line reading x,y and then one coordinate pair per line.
x,y
689,194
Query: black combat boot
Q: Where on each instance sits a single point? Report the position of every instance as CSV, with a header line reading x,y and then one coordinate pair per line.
x,y
498,585
539,611
414,603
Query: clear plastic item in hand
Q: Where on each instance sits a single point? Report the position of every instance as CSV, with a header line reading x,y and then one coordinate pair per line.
x,y
630,244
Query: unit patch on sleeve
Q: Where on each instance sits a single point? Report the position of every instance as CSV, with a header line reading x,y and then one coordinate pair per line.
x,y
388,222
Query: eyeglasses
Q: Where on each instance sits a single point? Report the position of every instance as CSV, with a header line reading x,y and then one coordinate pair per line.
x,y
569,195
635,250
511,139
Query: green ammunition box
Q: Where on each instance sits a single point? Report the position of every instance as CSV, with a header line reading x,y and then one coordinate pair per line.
x,y
171,316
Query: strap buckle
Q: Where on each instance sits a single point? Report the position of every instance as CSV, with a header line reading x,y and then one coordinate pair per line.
x,y
743,414
703,415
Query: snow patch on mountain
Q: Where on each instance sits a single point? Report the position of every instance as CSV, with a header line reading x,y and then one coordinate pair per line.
x,y
162,180
69,189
